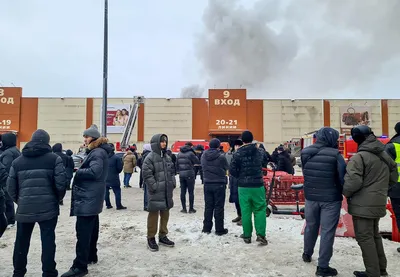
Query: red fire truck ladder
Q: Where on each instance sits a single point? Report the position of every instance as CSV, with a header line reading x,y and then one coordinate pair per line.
x,y
130,125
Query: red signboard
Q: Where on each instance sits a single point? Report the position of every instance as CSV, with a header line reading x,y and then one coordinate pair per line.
x,y
227,110
10,104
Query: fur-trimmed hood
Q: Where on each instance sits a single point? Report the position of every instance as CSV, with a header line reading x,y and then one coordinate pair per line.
x,y
100,142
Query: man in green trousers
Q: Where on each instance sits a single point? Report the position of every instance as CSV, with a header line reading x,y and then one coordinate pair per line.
x,y
246,166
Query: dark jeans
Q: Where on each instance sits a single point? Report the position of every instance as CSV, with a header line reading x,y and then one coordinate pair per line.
x,y
117,193
141,179
370,241
10,210
87,233
214,197
145,199
237,206
187,184
396,208
3,218
127,178
325,215
22,243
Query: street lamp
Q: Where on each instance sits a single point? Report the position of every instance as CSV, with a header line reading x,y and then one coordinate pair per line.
x,y
105,71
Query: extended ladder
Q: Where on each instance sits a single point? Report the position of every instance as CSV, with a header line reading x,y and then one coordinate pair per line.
x,y
130,125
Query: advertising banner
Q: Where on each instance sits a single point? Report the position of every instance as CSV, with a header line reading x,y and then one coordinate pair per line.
x,y
352,116
10,105
117,117
227,110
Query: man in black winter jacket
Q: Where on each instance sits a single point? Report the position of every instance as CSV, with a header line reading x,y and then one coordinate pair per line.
x,y
215,168
57,149
199,150
36,183
9,154
185,163
115,166
88,192
393,149
284,161
69,168
323,169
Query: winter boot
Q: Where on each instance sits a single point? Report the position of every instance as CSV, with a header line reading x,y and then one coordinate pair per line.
x,y
192,211
184,211
166,242
239,218
239,223
306,258
110,207
384,273
61,202
152,245
221,233
75,272
246,240
121,208
398,249
326,272
206,232
262,240
360,274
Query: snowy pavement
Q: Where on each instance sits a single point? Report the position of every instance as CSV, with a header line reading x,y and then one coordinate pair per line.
x,y
123,252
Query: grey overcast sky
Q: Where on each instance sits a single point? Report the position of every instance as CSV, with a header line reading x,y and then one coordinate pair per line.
x,y
280,48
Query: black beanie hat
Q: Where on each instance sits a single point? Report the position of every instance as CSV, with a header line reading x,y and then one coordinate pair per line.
x,y
247,137
41,136
397,128
215,143
238,142
360,133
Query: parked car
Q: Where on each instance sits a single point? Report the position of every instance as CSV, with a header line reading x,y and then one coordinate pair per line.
x,y
78,160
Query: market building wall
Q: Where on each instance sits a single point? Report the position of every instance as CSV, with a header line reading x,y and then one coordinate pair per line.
x,y
393,115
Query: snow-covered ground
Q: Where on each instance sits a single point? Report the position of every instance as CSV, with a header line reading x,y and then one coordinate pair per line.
x,y
123,252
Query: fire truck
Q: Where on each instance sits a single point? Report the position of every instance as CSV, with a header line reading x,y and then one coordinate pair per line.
x,y
347,146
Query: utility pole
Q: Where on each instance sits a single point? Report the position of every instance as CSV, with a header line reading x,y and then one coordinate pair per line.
x,y
105,71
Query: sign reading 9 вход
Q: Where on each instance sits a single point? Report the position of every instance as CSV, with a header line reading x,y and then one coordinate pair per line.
x,y
227,110
10,104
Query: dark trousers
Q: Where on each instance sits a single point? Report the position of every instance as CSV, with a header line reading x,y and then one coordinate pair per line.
x,y
145,199
237,206
324,215
152,224
117,193
22,243
10,210
141,179
370,242
214,197
187,184
127,178
87,233
396,208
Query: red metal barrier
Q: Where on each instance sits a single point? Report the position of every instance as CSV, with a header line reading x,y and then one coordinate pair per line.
x,y
395,229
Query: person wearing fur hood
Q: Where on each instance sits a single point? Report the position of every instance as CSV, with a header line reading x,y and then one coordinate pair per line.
x,y
88,192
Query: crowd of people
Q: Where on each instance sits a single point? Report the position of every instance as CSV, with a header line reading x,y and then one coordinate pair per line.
x,y
36,180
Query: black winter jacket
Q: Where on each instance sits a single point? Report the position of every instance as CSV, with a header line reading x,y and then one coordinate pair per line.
x,y
394,191
185,162
89,185
37,182
214,166
285,163
67,160
323,168
3,180
9,153
115,166
158,174
246,166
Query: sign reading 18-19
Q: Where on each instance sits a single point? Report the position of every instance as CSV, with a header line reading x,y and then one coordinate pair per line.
x,y
226,124
5,124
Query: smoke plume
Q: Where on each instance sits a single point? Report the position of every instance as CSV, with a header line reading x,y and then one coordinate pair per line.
x,y
299,49
194,91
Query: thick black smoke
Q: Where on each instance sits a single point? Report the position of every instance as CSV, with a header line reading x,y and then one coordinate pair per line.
x,y
299,49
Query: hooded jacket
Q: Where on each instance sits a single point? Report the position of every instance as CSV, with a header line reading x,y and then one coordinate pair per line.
x,y
37,182
158,176
214,166
146,151
369,175
186,161
10,150
246,166
89,185
115,166
323,168
70,165
3,180
394,191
